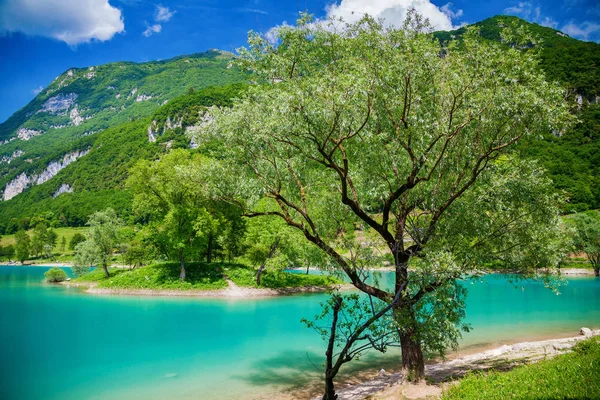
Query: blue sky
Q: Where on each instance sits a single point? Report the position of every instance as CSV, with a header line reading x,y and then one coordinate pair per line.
x,y
40,39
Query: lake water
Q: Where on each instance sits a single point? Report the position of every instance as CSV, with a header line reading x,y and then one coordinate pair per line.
x,y
60,343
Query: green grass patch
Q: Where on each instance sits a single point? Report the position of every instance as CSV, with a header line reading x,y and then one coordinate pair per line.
x,y
199,276
246,277
570,376
165,276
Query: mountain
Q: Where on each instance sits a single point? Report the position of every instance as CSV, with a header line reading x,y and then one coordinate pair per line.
x,y
85,112
572,159
67,153
573,63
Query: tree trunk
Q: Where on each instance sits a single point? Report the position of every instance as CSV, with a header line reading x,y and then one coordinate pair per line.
x,y
597,270
413,364
307,267
181,265
105,267
209,251
329,389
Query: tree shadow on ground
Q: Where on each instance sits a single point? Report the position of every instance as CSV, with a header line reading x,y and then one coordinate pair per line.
x,y
301,373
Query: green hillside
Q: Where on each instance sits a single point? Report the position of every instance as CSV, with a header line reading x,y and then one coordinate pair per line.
x,y
68,115
572,158
97,179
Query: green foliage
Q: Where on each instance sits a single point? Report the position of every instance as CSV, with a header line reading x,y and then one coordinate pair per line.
x,y
54,275
574,63
75,240
22,245
246,277
7,252
571,376
165,276
587,237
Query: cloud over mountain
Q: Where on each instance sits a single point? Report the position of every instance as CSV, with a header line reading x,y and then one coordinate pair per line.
x,y
70,21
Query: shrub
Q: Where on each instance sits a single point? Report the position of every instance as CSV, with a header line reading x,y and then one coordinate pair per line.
x,y
55,275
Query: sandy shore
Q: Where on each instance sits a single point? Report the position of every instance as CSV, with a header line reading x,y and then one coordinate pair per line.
x,y
386,386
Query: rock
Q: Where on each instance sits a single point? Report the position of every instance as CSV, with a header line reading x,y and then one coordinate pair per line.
x,y
76,119
59,103
16,186
64,188
382,373
587,332
26,134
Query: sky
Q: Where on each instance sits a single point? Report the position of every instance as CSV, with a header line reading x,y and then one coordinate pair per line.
x,y
40,39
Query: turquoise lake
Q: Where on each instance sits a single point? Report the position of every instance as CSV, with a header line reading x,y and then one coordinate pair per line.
x,y
60,343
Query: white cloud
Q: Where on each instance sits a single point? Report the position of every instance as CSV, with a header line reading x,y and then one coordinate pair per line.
x,y
163,14
151,30
447,9
586,30
549,22
38,90
70,21
522,8
393,12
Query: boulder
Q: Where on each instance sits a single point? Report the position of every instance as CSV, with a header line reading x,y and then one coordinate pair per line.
x,y
587,332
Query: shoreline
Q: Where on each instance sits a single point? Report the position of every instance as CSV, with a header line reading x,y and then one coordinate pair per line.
x,y
232,291
390,386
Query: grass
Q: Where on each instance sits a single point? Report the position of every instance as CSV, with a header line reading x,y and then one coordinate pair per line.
x,y
570,376
246,277
199,276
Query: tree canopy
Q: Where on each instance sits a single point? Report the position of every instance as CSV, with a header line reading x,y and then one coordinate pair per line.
x,y
380,129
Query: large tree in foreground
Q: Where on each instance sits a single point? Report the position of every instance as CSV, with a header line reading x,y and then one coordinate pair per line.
x,y
381,130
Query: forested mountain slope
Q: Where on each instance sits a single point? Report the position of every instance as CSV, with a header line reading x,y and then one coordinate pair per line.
x,y
572,158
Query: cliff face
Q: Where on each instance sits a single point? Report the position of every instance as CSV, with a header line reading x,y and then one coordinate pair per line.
x,y
23,181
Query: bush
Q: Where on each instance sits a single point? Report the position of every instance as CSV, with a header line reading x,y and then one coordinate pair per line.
x,y
55,275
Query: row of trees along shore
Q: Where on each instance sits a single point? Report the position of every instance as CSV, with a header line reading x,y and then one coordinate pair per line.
x,y
358,143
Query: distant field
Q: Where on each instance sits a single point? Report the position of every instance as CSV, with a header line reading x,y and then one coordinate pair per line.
x,y
68,233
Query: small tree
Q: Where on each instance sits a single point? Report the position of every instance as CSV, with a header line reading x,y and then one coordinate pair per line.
x,y
587,237
75,240
63,244
22,244
103,235
9,251
87,255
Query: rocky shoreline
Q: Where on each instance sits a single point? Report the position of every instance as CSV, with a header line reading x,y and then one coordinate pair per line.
x,y
389,386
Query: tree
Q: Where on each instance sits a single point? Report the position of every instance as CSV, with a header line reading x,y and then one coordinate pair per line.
x,y
87,255
171,196
63,244
22,244
356,326
75,240
587,237
362,126
103,235
39,238
9,251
